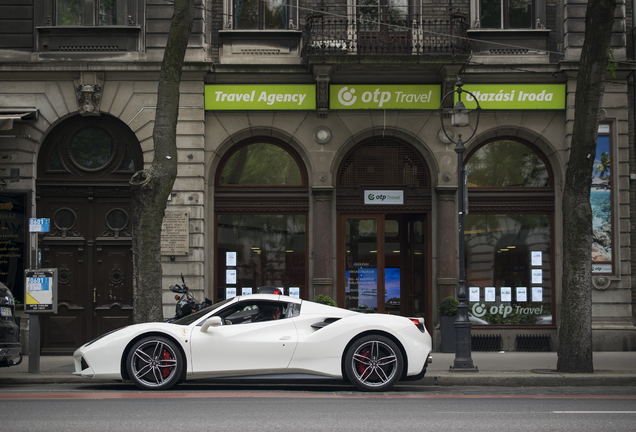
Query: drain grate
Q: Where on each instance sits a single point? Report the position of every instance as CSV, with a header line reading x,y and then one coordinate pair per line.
x,y
485,342
533,342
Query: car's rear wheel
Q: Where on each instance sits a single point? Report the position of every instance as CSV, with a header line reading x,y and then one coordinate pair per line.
x,y
155,363
373,363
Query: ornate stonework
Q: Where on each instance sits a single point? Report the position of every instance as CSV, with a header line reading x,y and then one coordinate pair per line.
x,y
88,89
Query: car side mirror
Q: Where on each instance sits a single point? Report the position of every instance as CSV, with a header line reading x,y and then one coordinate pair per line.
x,y
214,321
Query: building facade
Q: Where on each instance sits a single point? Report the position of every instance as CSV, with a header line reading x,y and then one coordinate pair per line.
x,y
312,158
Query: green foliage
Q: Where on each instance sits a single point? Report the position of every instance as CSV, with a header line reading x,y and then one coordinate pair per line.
x,y
326,300
448,307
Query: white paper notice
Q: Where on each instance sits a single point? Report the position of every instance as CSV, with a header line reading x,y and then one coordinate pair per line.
x,y
473,294
490,294
522,294
537,294
230,259
246,291
537,276
537,258
294,292
230,277
230,293
506,294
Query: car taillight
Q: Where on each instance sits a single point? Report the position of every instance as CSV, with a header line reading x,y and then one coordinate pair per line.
x,y
278,292
419,323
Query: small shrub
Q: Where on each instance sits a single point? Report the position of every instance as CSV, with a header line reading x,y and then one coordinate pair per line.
x,y
326,300
448,307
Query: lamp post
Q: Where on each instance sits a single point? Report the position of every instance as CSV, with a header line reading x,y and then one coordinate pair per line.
x,y
460,118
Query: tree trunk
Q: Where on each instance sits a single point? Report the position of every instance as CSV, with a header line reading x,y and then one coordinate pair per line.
x,y
575,332
151,187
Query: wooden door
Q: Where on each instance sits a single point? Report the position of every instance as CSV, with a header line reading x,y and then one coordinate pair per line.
x,y
90,244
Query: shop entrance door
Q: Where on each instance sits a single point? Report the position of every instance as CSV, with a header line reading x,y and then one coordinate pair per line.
x,y
383,266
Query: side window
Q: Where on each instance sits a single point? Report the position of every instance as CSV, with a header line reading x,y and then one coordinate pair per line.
x,y
252,312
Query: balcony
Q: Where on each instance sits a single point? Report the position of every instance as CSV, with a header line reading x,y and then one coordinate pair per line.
x,y
367,34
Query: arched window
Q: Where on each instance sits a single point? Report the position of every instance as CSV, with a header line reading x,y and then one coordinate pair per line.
x,y
261,203
261,163
508,235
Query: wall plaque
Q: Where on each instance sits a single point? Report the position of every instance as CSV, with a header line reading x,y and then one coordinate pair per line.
x,y
175,234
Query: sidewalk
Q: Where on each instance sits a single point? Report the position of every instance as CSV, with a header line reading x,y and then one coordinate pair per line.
x,y
510,369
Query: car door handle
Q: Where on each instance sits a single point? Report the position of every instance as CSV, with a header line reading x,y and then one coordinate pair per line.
x,y
285,338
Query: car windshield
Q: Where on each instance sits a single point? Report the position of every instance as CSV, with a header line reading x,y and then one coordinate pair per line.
x,y
189,319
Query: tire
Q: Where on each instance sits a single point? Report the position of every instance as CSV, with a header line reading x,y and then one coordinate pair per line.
x,y
373,363
155,363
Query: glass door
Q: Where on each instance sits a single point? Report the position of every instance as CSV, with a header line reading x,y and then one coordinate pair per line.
x,y
385,263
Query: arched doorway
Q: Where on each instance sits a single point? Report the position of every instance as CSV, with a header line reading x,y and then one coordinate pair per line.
x,y
384,204
82,187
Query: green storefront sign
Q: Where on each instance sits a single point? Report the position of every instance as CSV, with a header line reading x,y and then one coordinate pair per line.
x,y
384,97
515,96
265,97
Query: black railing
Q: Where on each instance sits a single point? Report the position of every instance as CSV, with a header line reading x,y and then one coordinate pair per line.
x,y
364,35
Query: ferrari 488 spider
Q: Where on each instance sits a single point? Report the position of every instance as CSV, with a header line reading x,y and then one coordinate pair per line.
x,y
263,335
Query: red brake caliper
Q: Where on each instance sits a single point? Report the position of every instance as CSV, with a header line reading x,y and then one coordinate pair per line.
x,y
361,367
166,371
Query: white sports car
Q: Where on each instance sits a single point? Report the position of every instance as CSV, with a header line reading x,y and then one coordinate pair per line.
x,y
263,335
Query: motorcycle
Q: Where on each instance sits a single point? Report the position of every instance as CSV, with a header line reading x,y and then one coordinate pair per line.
x,y
186,303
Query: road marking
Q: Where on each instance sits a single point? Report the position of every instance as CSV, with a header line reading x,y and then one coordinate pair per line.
x,y
594,412
295,395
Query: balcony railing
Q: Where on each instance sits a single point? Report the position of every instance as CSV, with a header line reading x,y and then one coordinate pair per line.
x,y
371,35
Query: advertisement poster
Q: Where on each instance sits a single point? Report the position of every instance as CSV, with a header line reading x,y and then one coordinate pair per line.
x,y
473,294
246,290
537,294
537,259
537,276
392,289
294,292
230,293
230,277
230,259
367,288
506,294
490,294
601,203
522,294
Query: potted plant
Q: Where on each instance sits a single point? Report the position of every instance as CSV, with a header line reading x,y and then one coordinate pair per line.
x,y
447,315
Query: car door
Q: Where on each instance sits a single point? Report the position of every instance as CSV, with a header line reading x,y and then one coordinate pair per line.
x,y
246,348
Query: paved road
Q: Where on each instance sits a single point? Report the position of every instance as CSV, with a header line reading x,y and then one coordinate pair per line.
x,y
261,408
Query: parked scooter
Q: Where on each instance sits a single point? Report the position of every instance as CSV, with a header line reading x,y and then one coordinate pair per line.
x,y
186,303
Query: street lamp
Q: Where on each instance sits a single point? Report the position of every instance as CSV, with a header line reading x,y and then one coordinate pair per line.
x,y
460,118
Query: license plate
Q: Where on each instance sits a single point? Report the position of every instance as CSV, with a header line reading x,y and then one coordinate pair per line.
x,y
5,311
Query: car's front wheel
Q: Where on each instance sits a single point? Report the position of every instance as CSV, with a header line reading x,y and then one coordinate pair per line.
x,y
373,363
155,363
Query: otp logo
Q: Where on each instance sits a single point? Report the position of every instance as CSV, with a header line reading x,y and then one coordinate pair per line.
x,y
346,97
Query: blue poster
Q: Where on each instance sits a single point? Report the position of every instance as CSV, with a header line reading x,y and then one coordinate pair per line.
x,y
601,203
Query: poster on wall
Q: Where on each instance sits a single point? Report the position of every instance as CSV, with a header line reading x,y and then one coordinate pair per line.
x,y
294,292
601,203
473,294
537,294
246,291
506,294
490,294
522,294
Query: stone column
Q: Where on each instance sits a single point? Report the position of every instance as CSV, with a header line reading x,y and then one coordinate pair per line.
x,y
446,243
322,244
